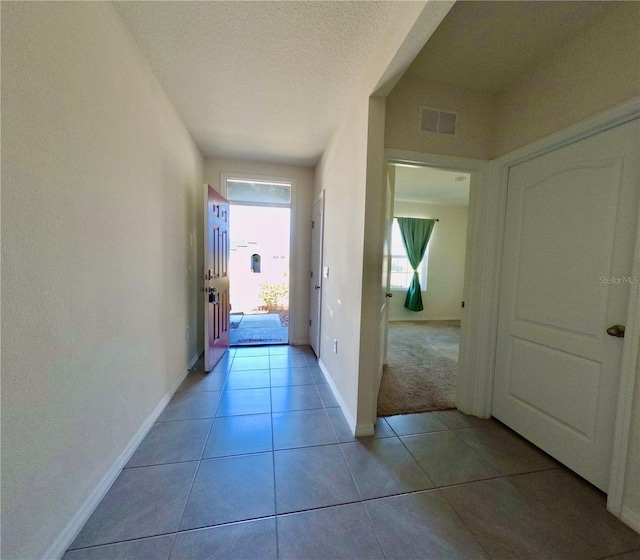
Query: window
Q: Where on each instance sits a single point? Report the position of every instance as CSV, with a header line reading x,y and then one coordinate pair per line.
x,y
258,192
401,271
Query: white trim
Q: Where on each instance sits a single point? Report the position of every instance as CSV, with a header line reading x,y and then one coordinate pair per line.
x,y
82,514
491,213
365,430
600,122
630,518
474,336
467,165
480,319
294,288
319,199
358,430
624,404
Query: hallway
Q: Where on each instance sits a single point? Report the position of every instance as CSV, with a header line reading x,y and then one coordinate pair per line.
x,y
255,460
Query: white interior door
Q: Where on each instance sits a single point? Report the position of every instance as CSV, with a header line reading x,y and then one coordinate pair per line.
x,y
386,266
315,292
568,253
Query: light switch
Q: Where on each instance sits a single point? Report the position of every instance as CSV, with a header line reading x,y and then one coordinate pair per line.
x,y
325,272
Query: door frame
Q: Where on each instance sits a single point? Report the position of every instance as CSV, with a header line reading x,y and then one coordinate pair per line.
x,y
388,224
294,289
318,199
473,339
490,214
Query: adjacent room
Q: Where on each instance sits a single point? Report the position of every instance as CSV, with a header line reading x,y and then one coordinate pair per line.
x,y
424,332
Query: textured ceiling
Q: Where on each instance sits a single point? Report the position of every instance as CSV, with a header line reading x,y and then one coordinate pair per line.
x,y
486,45
263,80
269,80
431,186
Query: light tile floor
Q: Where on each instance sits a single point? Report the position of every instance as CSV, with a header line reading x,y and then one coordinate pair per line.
x,y
255,460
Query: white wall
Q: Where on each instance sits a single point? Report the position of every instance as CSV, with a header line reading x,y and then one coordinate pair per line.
x,y
473,126
445,272
342,175
598,69
351,172
100,180
300,248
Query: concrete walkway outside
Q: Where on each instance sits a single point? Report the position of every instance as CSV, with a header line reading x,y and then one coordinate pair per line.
x,y
263,328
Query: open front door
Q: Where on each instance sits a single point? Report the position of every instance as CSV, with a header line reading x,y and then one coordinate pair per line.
x,y
215,277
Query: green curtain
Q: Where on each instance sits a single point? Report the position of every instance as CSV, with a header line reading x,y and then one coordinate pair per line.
x,y
415,237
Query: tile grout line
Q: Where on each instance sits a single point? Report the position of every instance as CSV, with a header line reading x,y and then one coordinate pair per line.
x,y
195,475
273,462
373,528
439,489
123,541
457,431
413,456
364,501
184,508
464,523
215,413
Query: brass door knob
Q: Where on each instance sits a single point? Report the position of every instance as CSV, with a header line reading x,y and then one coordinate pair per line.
x,y
616,330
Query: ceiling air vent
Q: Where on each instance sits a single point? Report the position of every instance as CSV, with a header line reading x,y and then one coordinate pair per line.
x,y
437,121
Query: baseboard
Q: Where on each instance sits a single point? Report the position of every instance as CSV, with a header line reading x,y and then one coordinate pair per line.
x,y
630,518
422,319
365,430
182,375
358,430
82,514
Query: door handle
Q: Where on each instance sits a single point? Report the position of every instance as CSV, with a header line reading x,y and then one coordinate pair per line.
x,y
616,330
317,287
388,294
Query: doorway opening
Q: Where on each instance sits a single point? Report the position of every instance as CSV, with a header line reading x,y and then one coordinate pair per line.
x,y
420,371
259,261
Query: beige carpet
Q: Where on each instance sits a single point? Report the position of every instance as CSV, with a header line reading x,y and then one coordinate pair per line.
x,y
422,365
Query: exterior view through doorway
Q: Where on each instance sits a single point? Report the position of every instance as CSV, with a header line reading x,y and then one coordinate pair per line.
x,y
259,261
